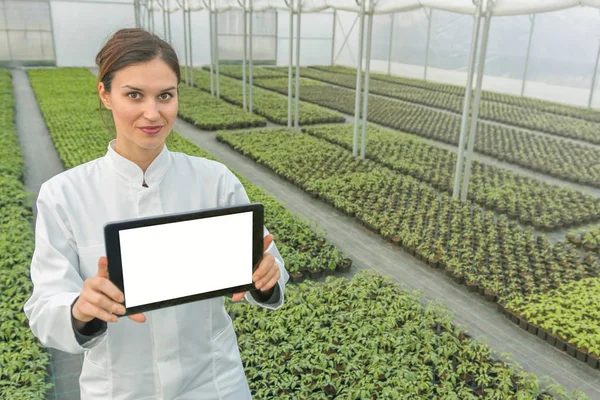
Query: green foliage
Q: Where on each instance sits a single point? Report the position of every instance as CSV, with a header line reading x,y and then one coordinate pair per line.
x,y
236,71
494,110
570,312
496,255
209,113
567,160
526,102
366,338
23,360
531,201
266,103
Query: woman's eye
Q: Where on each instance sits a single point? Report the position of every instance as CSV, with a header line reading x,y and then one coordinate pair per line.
x,y
134,95
165,96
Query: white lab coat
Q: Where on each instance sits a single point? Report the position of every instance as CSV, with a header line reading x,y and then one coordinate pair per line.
x,y
184,352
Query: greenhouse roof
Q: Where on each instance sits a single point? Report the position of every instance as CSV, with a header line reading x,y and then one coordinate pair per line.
x,y
499,7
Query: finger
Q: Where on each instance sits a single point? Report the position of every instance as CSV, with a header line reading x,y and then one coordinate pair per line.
x,y
99,299
267,241
238,296
271,284
103,267
263,267
108,288
93,310
139,318
270,279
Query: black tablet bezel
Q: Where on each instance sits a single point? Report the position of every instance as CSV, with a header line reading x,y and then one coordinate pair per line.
x,y
113,250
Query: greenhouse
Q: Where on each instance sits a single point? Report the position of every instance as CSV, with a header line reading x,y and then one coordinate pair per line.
x,y
429,171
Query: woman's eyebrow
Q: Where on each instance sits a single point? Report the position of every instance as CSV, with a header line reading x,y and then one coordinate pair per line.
x,y
141,90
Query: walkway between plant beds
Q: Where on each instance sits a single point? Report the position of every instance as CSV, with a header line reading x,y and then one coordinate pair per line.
x,y
42,163
369,250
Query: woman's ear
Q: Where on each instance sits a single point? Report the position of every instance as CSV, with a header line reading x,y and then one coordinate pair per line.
x,y
104,95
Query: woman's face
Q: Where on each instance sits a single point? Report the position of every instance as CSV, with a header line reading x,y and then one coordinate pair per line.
x,y
144,103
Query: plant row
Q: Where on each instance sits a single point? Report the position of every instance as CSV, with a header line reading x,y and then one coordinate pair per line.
x,y
366,338
566,318
515,115
588,237
266,103
300,244
23,360
527,102
236,71
552,156
531,201
209,113
493,256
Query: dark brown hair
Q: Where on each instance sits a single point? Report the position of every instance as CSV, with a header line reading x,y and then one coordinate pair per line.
x,y
133,46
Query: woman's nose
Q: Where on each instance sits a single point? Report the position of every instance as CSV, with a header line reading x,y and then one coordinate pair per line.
x,y
151,111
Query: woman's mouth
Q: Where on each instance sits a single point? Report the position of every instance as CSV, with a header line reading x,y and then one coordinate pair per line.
x,y
151,130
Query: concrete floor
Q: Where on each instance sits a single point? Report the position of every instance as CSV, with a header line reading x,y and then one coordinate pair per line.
x,y
367,249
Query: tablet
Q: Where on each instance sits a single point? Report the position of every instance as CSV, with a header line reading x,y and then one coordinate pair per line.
x,y
174,259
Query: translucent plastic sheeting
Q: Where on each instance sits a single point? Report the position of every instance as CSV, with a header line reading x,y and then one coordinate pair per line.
x,y
25,31
563,51
500,7
231,36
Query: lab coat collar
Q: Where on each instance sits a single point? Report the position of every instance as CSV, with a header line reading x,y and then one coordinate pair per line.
x,y
132,173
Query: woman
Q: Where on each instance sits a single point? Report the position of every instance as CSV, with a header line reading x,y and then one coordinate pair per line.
x,y
183,352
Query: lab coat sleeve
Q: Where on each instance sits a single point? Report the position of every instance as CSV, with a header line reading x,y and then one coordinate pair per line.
x,y
235,194
56,279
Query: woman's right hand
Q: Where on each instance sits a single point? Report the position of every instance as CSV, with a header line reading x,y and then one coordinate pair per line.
x,y
101,299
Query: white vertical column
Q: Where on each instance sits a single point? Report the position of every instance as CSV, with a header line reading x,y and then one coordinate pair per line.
x,y
467,104
594,78
358,77
480,72
291,61
297,116
532,20
367,80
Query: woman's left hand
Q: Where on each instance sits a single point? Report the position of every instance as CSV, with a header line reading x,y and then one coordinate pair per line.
x,y
266,275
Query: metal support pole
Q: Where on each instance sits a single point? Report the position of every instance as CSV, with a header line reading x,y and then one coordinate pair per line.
x,y
153,19
467,104
136,13
429,23
250,37
365,115
291,61
218,83
297,116
185,45
212,45
358,77
333,37
480,71
190,44
391,43
245,28
169,23
148,15
594,78
532,19
164,15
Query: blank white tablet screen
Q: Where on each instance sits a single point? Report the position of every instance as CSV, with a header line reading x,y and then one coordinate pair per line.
x,y
169,261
